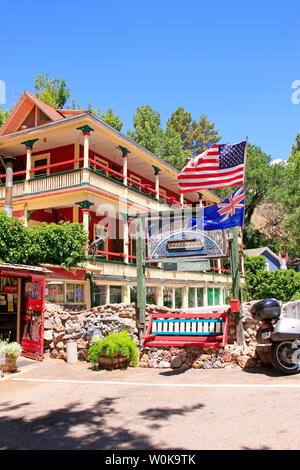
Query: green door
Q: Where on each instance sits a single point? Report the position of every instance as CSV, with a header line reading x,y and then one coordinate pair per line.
x,y
210,296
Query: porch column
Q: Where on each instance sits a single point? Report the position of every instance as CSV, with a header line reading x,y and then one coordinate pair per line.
x,y
126,294
160,295
125,153
156,173
29,146
107,294
86,132
200,199
185,297
219,266
182,200
85,207
125,237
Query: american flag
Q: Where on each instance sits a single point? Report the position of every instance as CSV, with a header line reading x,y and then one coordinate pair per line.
x,y
217,167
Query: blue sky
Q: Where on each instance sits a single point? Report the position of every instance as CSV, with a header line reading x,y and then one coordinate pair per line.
x,y
234,61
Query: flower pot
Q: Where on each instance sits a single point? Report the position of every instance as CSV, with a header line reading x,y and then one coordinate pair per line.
x,y
118,362
9,365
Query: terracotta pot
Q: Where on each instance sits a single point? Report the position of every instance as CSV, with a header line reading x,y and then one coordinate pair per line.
x,y
118,362
9,365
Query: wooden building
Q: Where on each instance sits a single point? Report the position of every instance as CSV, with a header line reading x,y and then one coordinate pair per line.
x,y
70,165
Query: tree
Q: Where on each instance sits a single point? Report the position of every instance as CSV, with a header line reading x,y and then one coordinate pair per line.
x,y
5,114
196,136
149,134
109,117
53,92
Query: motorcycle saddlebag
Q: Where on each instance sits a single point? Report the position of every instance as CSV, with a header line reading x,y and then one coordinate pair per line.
x,y
267,309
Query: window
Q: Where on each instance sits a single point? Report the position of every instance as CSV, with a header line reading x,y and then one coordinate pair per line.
x,y
99,295
132,184
40,160
115,294
168,297
74,293
151,295
100,232
133,294
60,292
99,169
119,170
200,302
54,292
178,297
192,298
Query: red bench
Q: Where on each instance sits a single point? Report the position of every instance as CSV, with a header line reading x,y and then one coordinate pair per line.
x,y
187,329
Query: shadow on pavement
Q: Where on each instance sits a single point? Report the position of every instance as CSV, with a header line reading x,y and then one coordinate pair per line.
x,y
69,428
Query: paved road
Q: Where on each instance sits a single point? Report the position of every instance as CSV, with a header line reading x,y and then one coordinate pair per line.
x,y
55,405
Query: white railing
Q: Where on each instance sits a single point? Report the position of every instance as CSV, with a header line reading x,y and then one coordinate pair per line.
x,y
57,181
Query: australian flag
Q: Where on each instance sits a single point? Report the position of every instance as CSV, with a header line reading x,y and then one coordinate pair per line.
x,y
225,214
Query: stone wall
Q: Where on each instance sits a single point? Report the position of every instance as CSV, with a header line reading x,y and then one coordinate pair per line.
x,y
62,325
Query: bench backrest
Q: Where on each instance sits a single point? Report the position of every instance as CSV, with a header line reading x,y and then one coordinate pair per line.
x,y
189,325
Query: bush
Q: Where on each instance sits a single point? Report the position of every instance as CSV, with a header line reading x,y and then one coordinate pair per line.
x,y
62,243
114,343
261,284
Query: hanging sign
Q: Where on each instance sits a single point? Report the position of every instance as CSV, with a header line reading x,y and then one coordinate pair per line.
x,y
172,240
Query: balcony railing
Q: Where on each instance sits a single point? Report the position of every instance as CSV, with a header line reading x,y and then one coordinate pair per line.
x,y
73,177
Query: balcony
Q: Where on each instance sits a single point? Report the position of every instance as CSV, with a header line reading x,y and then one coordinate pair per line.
x,y
97,176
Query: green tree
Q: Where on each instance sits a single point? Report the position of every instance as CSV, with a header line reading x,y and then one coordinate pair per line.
x,y
5,114
149,134
286,195
109,117
52,91
196,136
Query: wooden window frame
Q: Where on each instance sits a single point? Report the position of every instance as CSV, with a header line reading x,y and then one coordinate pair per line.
x,y
42,156
103,162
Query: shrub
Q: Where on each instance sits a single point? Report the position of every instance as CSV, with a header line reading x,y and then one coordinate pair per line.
x,y
10,350
112,344
260,284
62,243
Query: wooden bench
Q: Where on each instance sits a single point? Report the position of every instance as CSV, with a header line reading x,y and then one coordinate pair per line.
x,y
187,329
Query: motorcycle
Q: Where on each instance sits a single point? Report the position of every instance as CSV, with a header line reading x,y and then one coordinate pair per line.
x,y
282,333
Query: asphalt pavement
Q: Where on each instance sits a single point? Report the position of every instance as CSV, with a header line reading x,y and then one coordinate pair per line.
x,y
55,405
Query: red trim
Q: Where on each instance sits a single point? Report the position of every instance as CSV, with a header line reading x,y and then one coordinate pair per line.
x,y
54,165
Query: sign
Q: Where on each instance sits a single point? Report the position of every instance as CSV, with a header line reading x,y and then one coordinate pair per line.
x,y
172,240
11,289
201,265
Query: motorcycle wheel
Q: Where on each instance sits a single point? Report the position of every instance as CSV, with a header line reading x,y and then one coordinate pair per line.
x,y
281,357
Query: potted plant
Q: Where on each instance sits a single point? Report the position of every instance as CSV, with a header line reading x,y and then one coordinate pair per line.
x,y
114,351
9,353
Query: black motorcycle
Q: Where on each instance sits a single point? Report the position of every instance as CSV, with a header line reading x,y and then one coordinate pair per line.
x,y
282,333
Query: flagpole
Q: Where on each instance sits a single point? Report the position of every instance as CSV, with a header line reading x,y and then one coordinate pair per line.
x,y
235,267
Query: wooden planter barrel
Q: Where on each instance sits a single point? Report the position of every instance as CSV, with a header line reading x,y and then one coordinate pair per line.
x,y
118,362
9,365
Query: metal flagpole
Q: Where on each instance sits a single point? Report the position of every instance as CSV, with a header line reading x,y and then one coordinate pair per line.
x,y
235,269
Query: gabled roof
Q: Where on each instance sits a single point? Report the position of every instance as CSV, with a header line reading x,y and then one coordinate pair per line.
x,y
260,251
25,105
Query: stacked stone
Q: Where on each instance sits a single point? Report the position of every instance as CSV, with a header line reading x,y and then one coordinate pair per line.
x,y
62,325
